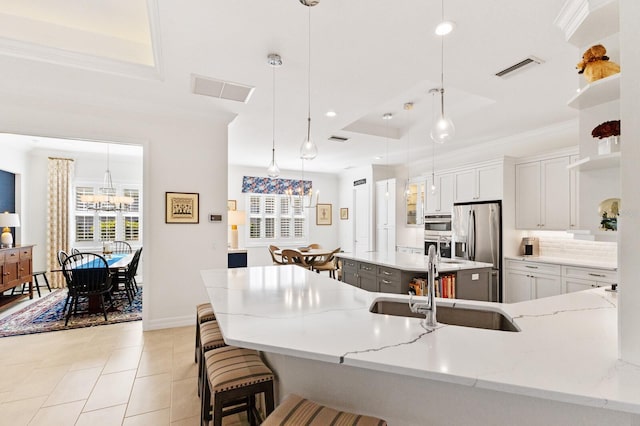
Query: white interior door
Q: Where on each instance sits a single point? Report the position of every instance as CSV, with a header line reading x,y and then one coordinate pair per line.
x,y
361,218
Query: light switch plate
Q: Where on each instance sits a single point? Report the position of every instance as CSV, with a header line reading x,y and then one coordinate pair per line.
x,y
475,277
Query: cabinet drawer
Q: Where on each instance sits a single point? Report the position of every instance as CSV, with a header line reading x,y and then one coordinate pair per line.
x,y
388,273
389,285
534,267
12,256
593,274
349,264
366,268
25,253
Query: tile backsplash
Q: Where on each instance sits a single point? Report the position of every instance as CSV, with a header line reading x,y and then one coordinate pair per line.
x,y
567,248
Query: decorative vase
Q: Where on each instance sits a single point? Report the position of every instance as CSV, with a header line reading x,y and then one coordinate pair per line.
x,y
608,145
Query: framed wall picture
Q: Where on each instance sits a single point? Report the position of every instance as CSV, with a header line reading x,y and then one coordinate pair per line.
x,y
323,214
344,213
182,207
231,205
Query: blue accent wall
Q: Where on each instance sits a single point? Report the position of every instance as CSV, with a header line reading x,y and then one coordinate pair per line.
x,y
7,192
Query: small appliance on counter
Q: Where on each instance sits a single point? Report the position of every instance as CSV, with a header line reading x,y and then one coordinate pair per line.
x,y
530,246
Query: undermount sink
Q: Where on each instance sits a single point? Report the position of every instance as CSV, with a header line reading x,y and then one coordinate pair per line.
x,y
462,316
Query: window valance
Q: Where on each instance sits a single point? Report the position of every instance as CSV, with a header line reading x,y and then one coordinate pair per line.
x,y
262,185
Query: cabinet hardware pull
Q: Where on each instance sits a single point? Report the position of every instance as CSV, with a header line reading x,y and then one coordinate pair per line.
x,y
386,273
386,281
529,266
597,275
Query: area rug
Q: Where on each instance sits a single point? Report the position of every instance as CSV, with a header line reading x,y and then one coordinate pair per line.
x,y
47,315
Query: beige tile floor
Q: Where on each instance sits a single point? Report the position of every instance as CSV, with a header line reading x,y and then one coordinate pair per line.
x,y
108,375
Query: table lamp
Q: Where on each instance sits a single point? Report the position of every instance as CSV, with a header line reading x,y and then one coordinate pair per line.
x,y
8,220
235,218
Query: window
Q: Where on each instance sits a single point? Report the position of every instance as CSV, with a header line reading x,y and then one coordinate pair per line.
x,y
91,225
272,218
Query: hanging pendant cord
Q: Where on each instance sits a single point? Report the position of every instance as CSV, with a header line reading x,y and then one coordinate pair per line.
x,y
442,64
273,143
309,82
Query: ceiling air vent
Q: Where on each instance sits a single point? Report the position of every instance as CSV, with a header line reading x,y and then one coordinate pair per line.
x,y
525,63
338,138
220,89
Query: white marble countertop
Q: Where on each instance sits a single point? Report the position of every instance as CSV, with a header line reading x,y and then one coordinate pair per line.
x,y
566,349
411,262
566,261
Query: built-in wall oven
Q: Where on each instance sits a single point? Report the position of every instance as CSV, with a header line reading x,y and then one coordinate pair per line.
x,y
437,233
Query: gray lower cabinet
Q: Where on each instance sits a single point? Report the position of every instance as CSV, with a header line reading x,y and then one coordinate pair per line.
x,y
474,284
376,278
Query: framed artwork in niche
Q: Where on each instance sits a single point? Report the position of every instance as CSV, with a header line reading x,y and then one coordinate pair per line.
x,y
323,214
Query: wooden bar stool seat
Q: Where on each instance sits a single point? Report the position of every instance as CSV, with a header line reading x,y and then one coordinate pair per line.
x,y
210,338
234,377
295,410
204,313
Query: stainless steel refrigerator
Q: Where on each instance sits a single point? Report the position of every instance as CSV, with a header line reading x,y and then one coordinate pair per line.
x,y
477,235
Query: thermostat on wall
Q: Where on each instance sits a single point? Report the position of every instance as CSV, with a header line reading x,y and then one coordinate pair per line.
x,y
215,218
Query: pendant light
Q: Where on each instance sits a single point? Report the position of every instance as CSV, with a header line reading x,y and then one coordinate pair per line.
x,y
107,200
309,150
408,106
442,129
387,117
433,189
273,170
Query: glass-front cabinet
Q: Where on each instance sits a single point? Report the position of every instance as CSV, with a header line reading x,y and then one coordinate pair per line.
x,y
414,201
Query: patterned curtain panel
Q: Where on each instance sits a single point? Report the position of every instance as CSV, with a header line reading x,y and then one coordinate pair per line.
x,y
59,201
260,185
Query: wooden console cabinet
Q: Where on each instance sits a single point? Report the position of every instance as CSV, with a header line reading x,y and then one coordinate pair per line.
x,y
16,268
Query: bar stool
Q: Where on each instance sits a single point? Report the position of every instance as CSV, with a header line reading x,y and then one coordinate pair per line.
x,y
295,410
210,338
204,313
234,377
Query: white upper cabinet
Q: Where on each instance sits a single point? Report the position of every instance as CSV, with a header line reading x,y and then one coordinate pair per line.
x,y
440,200
478,184
543,195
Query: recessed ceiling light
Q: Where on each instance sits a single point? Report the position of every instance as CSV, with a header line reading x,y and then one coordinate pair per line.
x,y
377,157
387,116
331,113
445,28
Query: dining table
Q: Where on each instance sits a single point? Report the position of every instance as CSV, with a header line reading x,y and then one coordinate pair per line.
x,y
310,255
117,262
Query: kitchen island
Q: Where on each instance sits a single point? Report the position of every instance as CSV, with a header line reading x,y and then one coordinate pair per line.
x,y
392,273
322,341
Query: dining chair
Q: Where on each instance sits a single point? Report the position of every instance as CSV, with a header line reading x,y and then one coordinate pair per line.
x,y
121,247
277,259
87,276
328,263
314,246
127,277
294,257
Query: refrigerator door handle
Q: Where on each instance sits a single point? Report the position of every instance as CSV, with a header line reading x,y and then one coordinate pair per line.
x,y
472,236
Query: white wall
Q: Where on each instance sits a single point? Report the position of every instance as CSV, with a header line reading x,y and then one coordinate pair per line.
x,y
325,235
180,155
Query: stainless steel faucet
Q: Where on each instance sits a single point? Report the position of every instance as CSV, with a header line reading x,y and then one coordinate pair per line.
x,y
428,308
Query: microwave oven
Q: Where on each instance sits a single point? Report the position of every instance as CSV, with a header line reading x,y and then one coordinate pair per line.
x,y
437,224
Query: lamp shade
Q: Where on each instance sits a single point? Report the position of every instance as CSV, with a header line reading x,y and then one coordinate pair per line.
x,y
9,220
236,218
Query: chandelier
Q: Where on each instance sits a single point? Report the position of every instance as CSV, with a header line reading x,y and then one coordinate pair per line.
x,y
107,200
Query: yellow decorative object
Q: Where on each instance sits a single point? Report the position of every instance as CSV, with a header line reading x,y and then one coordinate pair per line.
x,y
596,65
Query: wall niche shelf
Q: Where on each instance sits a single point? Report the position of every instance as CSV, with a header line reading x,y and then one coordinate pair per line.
x,y
596,93
596,162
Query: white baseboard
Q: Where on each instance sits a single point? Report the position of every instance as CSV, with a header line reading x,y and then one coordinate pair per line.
x,y
160,323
